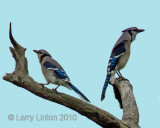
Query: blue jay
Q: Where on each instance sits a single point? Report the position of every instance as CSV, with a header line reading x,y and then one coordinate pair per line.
x,y
119,55
54,73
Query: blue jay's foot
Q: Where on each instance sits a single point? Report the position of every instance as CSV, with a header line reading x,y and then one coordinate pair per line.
x,y
112,80
119,74
43,84
122,78
56,88
126,79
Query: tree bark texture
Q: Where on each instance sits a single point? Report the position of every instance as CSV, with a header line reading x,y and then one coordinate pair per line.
x,y
21,78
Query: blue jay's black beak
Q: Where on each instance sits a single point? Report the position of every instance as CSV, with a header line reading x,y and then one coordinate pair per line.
x,y
141,30
36,51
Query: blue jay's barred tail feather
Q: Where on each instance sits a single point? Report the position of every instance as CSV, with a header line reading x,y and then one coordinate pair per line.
x,y
105,86
78,92
111,67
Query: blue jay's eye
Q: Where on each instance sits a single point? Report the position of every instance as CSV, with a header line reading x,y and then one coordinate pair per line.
x,y
39,52
136,30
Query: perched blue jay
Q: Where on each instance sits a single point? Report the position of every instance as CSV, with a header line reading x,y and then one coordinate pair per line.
x,y
119,55
54,73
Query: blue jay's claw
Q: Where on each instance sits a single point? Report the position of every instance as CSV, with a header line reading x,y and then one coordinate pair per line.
x,y
56,88
119,74
122,78
126,79
42,85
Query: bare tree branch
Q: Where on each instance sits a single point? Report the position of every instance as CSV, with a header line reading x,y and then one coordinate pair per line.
x,y
130,109
21,78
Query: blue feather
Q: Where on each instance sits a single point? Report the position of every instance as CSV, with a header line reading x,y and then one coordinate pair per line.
x,y
113,61
119,49
105,86
78,92
59,72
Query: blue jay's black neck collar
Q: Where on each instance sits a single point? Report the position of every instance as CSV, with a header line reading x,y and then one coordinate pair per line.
x,y
44,55
130,34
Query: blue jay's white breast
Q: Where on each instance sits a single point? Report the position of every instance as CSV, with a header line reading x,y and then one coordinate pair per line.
x,y
49,76
124,58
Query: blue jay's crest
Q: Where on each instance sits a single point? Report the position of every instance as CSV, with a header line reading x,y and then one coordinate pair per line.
x,y
133,29
130,29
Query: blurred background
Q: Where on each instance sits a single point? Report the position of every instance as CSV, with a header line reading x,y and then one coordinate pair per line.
x,y
80,36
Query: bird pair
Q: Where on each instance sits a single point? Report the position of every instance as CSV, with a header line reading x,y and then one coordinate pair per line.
x,y
55,74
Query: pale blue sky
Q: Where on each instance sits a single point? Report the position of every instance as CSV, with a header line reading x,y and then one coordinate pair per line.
x,y
80,35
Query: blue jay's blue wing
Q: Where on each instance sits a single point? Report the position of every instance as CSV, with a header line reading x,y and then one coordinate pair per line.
x,y
117,52
61,74
57,70
115,55
119,49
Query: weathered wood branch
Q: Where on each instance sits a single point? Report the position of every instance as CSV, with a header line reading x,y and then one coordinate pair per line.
x,y
127,102
21,78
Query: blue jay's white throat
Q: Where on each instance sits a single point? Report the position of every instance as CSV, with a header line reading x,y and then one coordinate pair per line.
x,y
54,73
120,55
